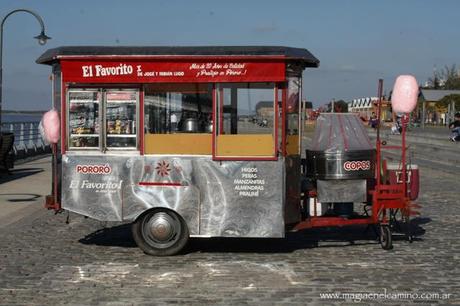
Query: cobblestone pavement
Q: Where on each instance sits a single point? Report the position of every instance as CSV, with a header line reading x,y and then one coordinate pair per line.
x,y
45,261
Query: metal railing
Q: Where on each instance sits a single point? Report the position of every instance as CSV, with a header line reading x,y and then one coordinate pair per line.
x,y
27,138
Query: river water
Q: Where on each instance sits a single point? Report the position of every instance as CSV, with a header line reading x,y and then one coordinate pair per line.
x,y
7,118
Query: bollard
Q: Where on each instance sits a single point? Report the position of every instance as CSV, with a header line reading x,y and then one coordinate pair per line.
x,y
31,141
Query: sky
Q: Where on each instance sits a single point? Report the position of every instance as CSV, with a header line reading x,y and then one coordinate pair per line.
x,y
357,42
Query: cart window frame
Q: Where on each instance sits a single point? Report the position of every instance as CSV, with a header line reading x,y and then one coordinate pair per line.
x,y
69,134
135,135
102,147
218,107
162,138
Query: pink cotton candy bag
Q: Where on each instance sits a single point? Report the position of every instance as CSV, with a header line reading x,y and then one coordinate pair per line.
x,y
51,126
405,94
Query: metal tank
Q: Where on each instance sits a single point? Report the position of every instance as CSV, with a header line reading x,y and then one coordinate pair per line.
x,y
340,161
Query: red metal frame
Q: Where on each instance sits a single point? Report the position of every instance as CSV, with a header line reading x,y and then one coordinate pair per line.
x,y
377,142
331,222
385,196
64,89
141,113
52,201
275,113
283,121
67,86
214,117
221,111
164,184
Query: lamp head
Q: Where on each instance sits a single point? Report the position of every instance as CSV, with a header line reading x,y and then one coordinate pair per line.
x,y
42,38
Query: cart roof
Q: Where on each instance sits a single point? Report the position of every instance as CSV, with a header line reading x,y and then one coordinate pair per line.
x,y
298,54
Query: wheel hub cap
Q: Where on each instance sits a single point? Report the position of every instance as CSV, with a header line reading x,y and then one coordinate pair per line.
x,y
161,227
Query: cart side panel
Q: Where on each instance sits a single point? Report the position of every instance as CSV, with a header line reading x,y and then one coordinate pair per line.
x,y
163,181
225,199
222,199
241,198
96,194
120,188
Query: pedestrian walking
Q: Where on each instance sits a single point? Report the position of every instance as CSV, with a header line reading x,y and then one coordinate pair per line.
x,y
455,126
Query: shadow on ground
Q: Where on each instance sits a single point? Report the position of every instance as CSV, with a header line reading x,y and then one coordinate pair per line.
x,y
120,236
20,197
18,173
111,236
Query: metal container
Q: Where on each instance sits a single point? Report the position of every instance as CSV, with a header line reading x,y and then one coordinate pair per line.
x,y
190,125
341,165
208,127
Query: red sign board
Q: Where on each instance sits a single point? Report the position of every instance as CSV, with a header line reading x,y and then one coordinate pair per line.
x,y
172,71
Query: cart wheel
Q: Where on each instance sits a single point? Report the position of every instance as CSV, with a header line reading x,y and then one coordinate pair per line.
x,y
160,232
385,237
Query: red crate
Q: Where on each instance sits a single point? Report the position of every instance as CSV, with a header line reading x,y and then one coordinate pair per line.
x,y
413,178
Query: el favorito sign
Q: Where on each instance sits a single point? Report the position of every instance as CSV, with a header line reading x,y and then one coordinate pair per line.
x,y
180,71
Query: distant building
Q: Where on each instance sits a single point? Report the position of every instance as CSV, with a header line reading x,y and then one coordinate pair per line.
x,y
364,107
264,109
427,112
308,108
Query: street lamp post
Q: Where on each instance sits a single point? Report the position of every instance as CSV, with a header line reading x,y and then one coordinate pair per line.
x,y
42,38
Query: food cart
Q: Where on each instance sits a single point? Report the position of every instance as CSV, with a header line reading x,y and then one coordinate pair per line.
x,y
186,142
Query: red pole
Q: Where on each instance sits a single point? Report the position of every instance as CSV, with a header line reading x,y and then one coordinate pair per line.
x,y
378,157
54,148
404,121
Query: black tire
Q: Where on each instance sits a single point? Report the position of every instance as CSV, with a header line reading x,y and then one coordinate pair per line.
x,y
385,237
160,232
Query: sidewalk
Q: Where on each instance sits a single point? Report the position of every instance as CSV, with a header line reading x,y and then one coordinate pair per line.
x,y
437,136
22,194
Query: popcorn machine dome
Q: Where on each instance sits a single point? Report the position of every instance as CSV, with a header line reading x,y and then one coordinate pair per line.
x,y
341,149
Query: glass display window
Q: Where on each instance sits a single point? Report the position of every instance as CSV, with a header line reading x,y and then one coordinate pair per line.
x,y
120,119
246,121
178,118
102,119
83,119
292,118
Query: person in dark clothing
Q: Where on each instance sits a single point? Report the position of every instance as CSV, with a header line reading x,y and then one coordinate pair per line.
x,y
396,129
455,126
373,121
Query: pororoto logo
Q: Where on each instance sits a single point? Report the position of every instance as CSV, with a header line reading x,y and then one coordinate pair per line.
x,y
357,165
93,169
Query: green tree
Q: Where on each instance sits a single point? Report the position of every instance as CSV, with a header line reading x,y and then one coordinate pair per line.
x,y
451,77
447,78
442,104
434,81
340,106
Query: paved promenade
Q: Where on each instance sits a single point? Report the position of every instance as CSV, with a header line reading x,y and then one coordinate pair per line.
x,y
22,193
44,261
